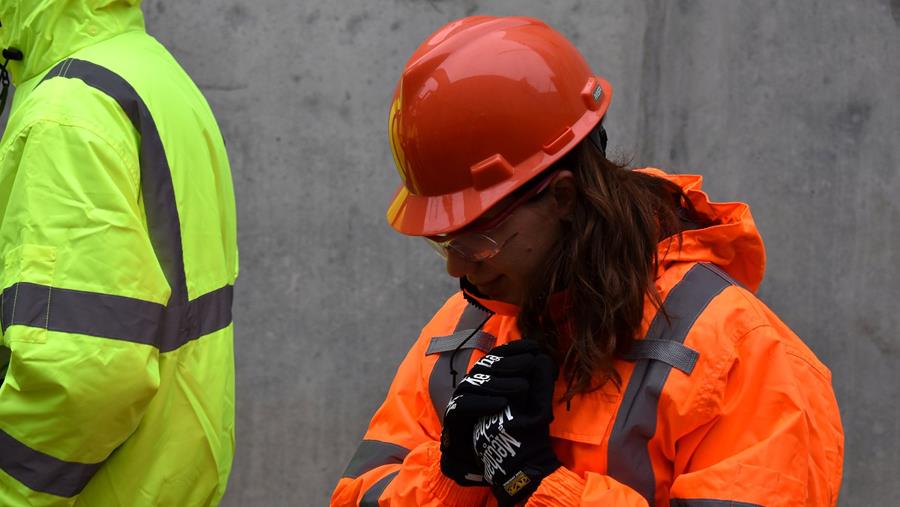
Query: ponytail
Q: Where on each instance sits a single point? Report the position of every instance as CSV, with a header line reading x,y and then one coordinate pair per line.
x,y
606,264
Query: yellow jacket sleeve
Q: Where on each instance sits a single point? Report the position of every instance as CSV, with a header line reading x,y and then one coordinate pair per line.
x,y
80,285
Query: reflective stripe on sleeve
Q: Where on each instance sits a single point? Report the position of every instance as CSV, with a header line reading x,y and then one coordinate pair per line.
x,y
440,383
628,454
372,454
708,502
370,499
676,355
116,317
42,472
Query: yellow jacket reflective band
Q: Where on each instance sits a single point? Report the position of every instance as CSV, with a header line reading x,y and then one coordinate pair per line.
x,y
117,317
41,472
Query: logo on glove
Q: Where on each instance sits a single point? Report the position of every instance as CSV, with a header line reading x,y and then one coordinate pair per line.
x,y
493,444
518,481
452,404
477,379
487,361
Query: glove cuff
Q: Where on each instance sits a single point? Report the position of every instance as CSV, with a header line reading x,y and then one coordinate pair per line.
x,y
448,491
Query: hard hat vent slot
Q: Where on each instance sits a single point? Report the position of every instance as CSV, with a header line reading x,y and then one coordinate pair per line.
x,y
491,171
560,142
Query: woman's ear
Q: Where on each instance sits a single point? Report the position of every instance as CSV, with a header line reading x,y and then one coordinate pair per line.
x,y
563,193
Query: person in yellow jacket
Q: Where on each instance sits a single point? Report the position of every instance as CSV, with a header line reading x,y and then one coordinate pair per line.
x,y
606,347
117,259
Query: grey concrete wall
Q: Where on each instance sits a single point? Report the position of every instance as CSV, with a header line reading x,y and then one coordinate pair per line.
x,y
789,105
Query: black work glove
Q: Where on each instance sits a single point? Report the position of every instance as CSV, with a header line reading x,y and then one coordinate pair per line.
x,y
496,379
514,444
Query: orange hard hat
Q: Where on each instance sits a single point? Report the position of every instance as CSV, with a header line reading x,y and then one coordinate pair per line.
x,y
484,105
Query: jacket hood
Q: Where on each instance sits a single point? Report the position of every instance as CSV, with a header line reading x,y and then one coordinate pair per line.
x,y
732,242
47,31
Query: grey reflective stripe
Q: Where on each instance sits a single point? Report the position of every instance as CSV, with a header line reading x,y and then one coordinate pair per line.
x,y
628,454
440,384
372,454
707,502
156,178
201,316
676,355
725,276
115,317
370,499
482,341
41,472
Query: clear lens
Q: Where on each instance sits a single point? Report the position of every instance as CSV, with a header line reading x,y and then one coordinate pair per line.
x,y
471,247
437,247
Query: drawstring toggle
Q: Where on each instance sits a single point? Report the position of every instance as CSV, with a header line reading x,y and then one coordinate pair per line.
x,y
8,54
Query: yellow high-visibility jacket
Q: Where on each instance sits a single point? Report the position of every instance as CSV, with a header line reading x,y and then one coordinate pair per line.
x,y
118,257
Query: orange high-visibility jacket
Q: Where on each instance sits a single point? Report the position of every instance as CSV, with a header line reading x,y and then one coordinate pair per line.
x,y
720,405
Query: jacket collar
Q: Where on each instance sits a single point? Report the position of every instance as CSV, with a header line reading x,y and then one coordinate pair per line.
x,y
48,31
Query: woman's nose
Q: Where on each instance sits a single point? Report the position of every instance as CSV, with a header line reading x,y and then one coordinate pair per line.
x,y
457,267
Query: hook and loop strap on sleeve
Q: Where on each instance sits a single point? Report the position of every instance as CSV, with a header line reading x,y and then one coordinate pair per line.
x,y
676,355
635,424
482,341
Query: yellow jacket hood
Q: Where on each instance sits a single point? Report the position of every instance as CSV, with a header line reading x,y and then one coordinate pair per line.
x,y
46,31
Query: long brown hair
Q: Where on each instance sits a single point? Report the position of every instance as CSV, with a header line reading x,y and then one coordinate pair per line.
x,y
606,261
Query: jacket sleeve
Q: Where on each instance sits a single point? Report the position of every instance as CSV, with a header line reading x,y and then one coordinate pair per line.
x,y
77,263
775,437
398,461
772,437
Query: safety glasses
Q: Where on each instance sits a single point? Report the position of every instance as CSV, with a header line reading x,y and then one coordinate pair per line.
x,y
478,243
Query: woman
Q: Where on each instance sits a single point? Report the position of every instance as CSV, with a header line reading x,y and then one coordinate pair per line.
x,y
614,350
